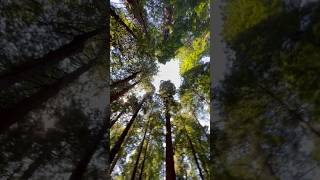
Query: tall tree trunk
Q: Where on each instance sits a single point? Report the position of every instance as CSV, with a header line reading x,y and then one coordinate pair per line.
x,y
194,154
199,138
80,168
120,21
13,114
293,112
145,155
139,154
123,135
32,67
170,172
33,167
117,95
197,120
114,162
125,80
116,119
167,12
138,13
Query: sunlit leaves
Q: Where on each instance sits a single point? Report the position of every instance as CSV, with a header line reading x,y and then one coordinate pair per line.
x,y
242,15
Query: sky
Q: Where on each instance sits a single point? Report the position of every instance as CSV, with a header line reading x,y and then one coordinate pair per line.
x,y
168,71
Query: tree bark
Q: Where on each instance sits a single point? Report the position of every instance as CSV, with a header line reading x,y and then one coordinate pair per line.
x,y
170,171
139,154
15,113
32,67
117,95
123,135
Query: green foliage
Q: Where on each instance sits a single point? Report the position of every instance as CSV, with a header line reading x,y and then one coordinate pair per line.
x,y
241,15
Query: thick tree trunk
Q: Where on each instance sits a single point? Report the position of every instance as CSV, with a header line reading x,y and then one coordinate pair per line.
x,y
139,154
170,172
11,115
116,119
117,95
80,168
32,67
145,155
123,135
119,20
124,81
194,155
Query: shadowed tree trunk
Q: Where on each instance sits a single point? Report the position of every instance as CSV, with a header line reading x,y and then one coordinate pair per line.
x,y
32,67
293,112
117,95
15,113
125,80
123,135
139,154
145,155
167,12
120,21
194,154
197,120
170,172
114,162
138,13
33,167
116,119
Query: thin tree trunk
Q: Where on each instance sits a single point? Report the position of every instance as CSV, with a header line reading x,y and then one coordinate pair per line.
x,y
119,20
15,171
114,162
194,155
80,168
123,135
138,12
170,172
199,139
197,120
32,67
292,112
144,157
125,80
167,12
139,154
116,119
11,115
32,167
117,95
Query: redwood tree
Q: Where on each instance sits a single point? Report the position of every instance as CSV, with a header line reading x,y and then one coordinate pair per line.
x,y
167,90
